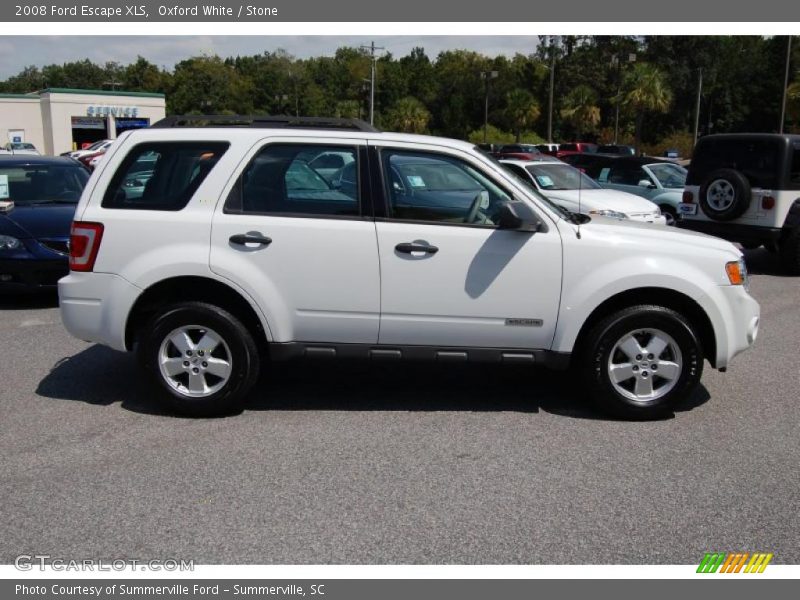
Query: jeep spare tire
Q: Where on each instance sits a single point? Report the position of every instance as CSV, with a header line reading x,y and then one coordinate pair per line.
x,y
725,195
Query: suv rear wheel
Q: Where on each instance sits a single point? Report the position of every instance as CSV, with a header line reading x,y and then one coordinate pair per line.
x,y
638,363
725,195
202,358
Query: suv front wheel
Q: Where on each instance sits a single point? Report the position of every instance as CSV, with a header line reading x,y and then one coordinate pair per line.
x,y
640,362
202,357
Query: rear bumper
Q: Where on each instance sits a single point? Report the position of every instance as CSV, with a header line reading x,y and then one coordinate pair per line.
x,y
95,307
733,232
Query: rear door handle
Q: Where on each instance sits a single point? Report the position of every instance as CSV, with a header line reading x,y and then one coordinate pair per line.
x,y
240,239
408,248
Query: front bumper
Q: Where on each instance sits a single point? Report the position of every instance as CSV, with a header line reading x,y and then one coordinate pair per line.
x,y
95,307
735,316
27,275
650,218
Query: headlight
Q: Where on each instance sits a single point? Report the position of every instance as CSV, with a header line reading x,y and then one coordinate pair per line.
x,y
609,213
737,273
657,211
9,243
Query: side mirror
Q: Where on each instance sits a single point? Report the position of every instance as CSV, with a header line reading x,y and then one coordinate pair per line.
x,y
646,183
518,216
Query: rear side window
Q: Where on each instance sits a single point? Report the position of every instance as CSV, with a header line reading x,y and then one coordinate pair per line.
x,y
162,175
758,160
299,180
795,172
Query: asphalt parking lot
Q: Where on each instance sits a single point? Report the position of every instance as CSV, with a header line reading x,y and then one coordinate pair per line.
x,y
395,464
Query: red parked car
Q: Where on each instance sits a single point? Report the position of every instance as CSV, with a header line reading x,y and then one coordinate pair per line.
x,y
576,148
519,152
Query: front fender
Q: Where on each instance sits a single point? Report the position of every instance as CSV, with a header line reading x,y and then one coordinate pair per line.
x,y
586,289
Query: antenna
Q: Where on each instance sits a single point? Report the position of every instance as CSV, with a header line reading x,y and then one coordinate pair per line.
x,y
580,190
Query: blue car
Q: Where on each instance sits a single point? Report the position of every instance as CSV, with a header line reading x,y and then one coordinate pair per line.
x,y
38,196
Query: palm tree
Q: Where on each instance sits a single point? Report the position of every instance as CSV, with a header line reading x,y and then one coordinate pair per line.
x,y
522,110
408,115
793,102
645,90
580,109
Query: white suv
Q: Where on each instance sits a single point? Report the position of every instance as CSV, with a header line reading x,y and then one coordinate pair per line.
x,y
209,246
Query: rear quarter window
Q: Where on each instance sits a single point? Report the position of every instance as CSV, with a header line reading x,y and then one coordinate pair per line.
x,y
162,175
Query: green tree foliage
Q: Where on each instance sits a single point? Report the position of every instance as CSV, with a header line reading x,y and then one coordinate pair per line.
x,y
646,91
656,91
522,110
494,135
209,85
408,115
581,110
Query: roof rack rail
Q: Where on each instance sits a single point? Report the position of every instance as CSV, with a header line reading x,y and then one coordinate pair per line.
x,y
263,121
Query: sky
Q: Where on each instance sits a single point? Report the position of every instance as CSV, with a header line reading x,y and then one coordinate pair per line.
x,y
17,52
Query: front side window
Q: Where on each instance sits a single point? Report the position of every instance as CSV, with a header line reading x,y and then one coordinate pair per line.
x,y
299,179
626,175
162,175
668,175
439,188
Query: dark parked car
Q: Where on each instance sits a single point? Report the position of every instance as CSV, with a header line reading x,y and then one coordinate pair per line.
x,y
38,196
616,150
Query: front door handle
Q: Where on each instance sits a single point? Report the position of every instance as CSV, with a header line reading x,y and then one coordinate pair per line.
x,y
408,248
240,239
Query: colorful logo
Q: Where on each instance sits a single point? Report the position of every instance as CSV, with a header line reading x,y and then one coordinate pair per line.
x,y
734,562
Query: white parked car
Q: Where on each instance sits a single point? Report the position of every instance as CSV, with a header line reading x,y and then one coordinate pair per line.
x,y
567,186
17,148
232,250
99,146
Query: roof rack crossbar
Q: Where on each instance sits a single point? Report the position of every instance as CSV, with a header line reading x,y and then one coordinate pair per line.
x,y
263,122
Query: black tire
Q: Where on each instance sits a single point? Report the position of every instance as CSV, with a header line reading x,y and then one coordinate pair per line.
x,y
237,348
595,361
790,252
670,213
727,179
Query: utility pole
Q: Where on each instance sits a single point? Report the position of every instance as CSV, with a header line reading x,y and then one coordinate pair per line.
x,y
372,47
785,84
616,59
487,76
552,85
697,106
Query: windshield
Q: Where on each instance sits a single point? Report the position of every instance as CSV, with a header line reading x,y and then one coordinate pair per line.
x,y
669,175
560,210
554,176
41,184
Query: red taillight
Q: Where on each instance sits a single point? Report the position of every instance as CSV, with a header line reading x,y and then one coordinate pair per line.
x,y
688,197
767,202
84,242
